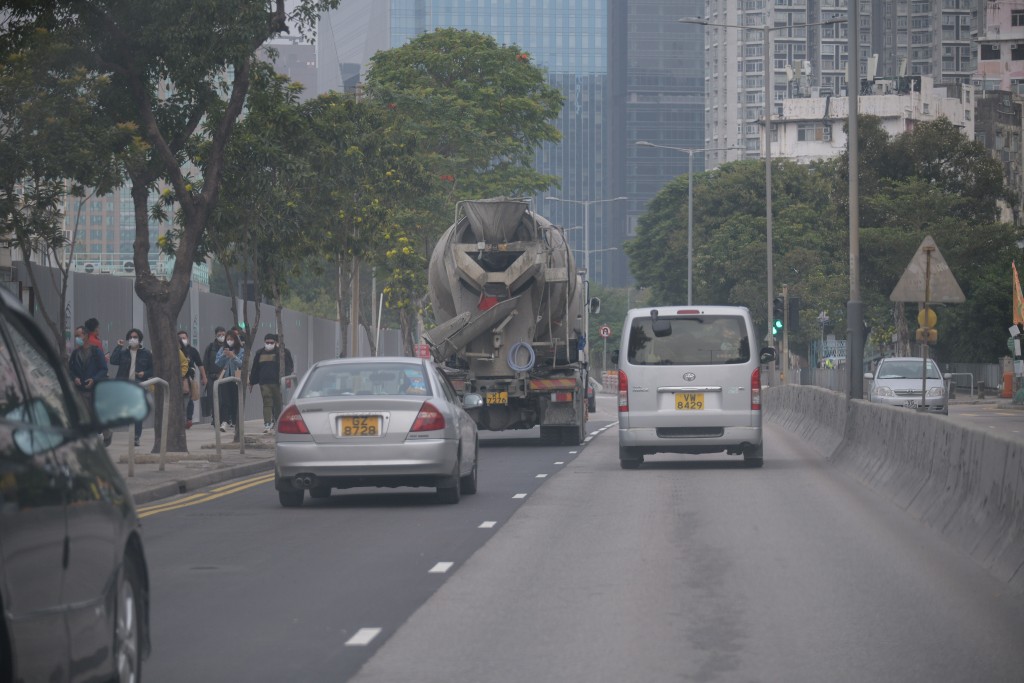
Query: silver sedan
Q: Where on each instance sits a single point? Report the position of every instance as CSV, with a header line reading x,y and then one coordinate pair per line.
x,y
899,381
375,422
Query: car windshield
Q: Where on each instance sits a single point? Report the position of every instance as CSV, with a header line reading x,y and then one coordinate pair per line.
x,y
906,369
366,379
694,340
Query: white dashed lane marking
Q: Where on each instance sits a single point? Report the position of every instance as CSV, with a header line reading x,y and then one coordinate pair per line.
x,y
541,476
363,636
441,568
519,495
488,525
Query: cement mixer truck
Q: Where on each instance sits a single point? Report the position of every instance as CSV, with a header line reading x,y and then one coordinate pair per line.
x,y
511,319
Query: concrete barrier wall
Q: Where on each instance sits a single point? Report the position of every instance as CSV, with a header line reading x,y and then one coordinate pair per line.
x,y
961,481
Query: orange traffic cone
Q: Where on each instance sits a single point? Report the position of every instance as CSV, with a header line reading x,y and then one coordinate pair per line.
x,y
1007,385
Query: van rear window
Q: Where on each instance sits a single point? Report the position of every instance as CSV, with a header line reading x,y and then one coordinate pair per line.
x,y
693,340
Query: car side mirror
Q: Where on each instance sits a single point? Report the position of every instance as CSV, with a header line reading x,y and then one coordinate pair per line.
x,y
595,305
868,375
470,401
119,402
768,354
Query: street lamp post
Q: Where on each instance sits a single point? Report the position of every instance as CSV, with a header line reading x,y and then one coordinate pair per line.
x,y
586,223
689,205
768,103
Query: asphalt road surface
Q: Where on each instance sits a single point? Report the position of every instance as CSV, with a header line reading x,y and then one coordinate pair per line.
x,y
689,569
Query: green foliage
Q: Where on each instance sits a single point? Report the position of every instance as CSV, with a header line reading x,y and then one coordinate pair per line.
x,y
931,181
480,107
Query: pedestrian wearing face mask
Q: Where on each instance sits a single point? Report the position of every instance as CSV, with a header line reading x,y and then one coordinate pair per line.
x,y
195,377
210,365
266,371
133,362
229,359
88,366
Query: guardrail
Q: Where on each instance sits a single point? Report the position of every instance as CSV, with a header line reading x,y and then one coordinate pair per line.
x,y
240,418
963,374
162,383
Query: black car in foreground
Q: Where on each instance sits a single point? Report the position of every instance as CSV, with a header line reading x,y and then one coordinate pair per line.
x,y
73,579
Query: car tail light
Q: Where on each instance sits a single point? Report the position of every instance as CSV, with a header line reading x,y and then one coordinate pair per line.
x,y
291,422
623,392
755,389
429,419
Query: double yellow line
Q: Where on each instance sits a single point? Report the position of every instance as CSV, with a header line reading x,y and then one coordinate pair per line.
x,y
212,494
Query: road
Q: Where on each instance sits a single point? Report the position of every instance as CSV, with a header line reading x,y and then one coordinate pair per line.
x,y
997,418
684,570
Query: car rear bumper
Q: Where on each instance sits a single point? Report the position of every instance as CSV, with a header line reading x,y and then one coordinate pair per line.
x,y
706,438
424,458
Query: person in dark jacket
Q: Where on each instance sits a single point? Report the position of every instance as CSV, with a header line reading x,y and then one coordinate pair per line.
x,y
133,362
213,372
88,366
265,370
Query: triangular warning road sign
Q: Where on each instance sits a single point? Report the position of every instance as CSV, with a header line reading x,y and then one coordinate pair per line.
x,y
942,287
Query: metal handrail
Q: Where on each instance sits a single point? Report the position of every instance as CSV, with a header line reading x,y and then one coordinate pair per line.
x,y
968,374
241,413
162,383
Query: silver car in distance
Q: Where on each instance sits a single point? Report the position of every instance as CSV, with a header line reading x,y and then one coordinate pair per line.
x,y
898,382
376,422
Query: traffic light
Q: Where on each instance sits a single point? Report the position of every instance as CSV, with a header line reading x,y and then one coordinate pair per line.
x,y
778,314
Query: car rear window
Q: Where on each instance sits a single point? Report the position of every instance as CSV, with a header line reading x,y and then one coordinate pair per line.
x,y
366,379
693,340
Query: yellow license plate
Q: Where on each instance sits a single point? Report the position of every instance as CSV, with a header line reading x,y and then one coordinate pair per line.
x,y
497,398
363,425
690,401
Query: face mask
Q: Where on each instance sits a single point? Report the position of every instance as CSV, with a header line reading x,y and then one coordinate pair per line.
x,y
134,343
220,338
268,347
230,343
184,342
79,341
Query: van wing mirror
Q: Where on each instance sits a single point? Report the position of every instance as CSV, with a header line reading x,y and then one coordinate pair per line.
x,y
768,354
595,305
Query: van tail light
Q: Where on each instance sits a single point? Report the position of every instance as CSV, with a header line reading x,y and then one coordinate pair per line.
x,y
291,422
623,392
429,419
755,389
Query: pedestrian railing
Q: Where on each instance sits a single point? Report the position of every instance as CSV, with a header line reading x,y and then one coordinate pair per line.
x,y
162,383
240,427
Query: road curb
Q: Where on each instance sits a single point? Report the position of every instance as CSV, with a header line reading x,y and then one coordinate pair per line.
x,y
196,481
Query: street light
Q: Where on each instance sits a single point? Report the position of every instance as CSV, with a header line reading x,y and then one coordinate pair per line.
x,y
586,223
689,206
768,103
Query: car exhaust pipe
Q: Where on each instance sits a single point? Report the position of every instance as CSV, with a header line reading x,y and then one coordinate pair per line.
x,y
304,481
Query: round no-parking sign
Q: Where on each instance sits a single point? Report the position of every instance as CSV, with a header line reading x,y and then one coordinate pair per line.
x,y
606,331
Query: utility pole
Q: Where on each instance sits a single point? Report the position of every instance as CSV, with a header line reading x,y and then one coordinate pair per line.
x,y
785,333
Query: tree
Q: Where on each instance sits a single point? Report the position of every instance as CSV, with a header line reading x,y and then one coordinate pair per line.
x,y
55,143
481,107
172,65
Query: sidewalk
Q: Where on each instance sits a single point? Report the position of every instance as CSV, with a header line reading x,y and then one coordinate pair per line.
x,y
199,467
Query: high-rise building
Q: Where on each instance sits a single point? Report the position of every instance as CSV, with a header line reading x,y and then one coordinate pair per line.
x,y
656,83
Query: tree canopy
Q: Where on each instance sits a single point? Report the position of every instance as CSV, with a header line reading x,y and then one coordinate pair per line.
x,y
929,181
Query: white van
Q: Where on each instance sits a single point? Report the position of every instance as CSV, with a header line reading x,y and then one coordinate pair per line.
x,y
688,383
